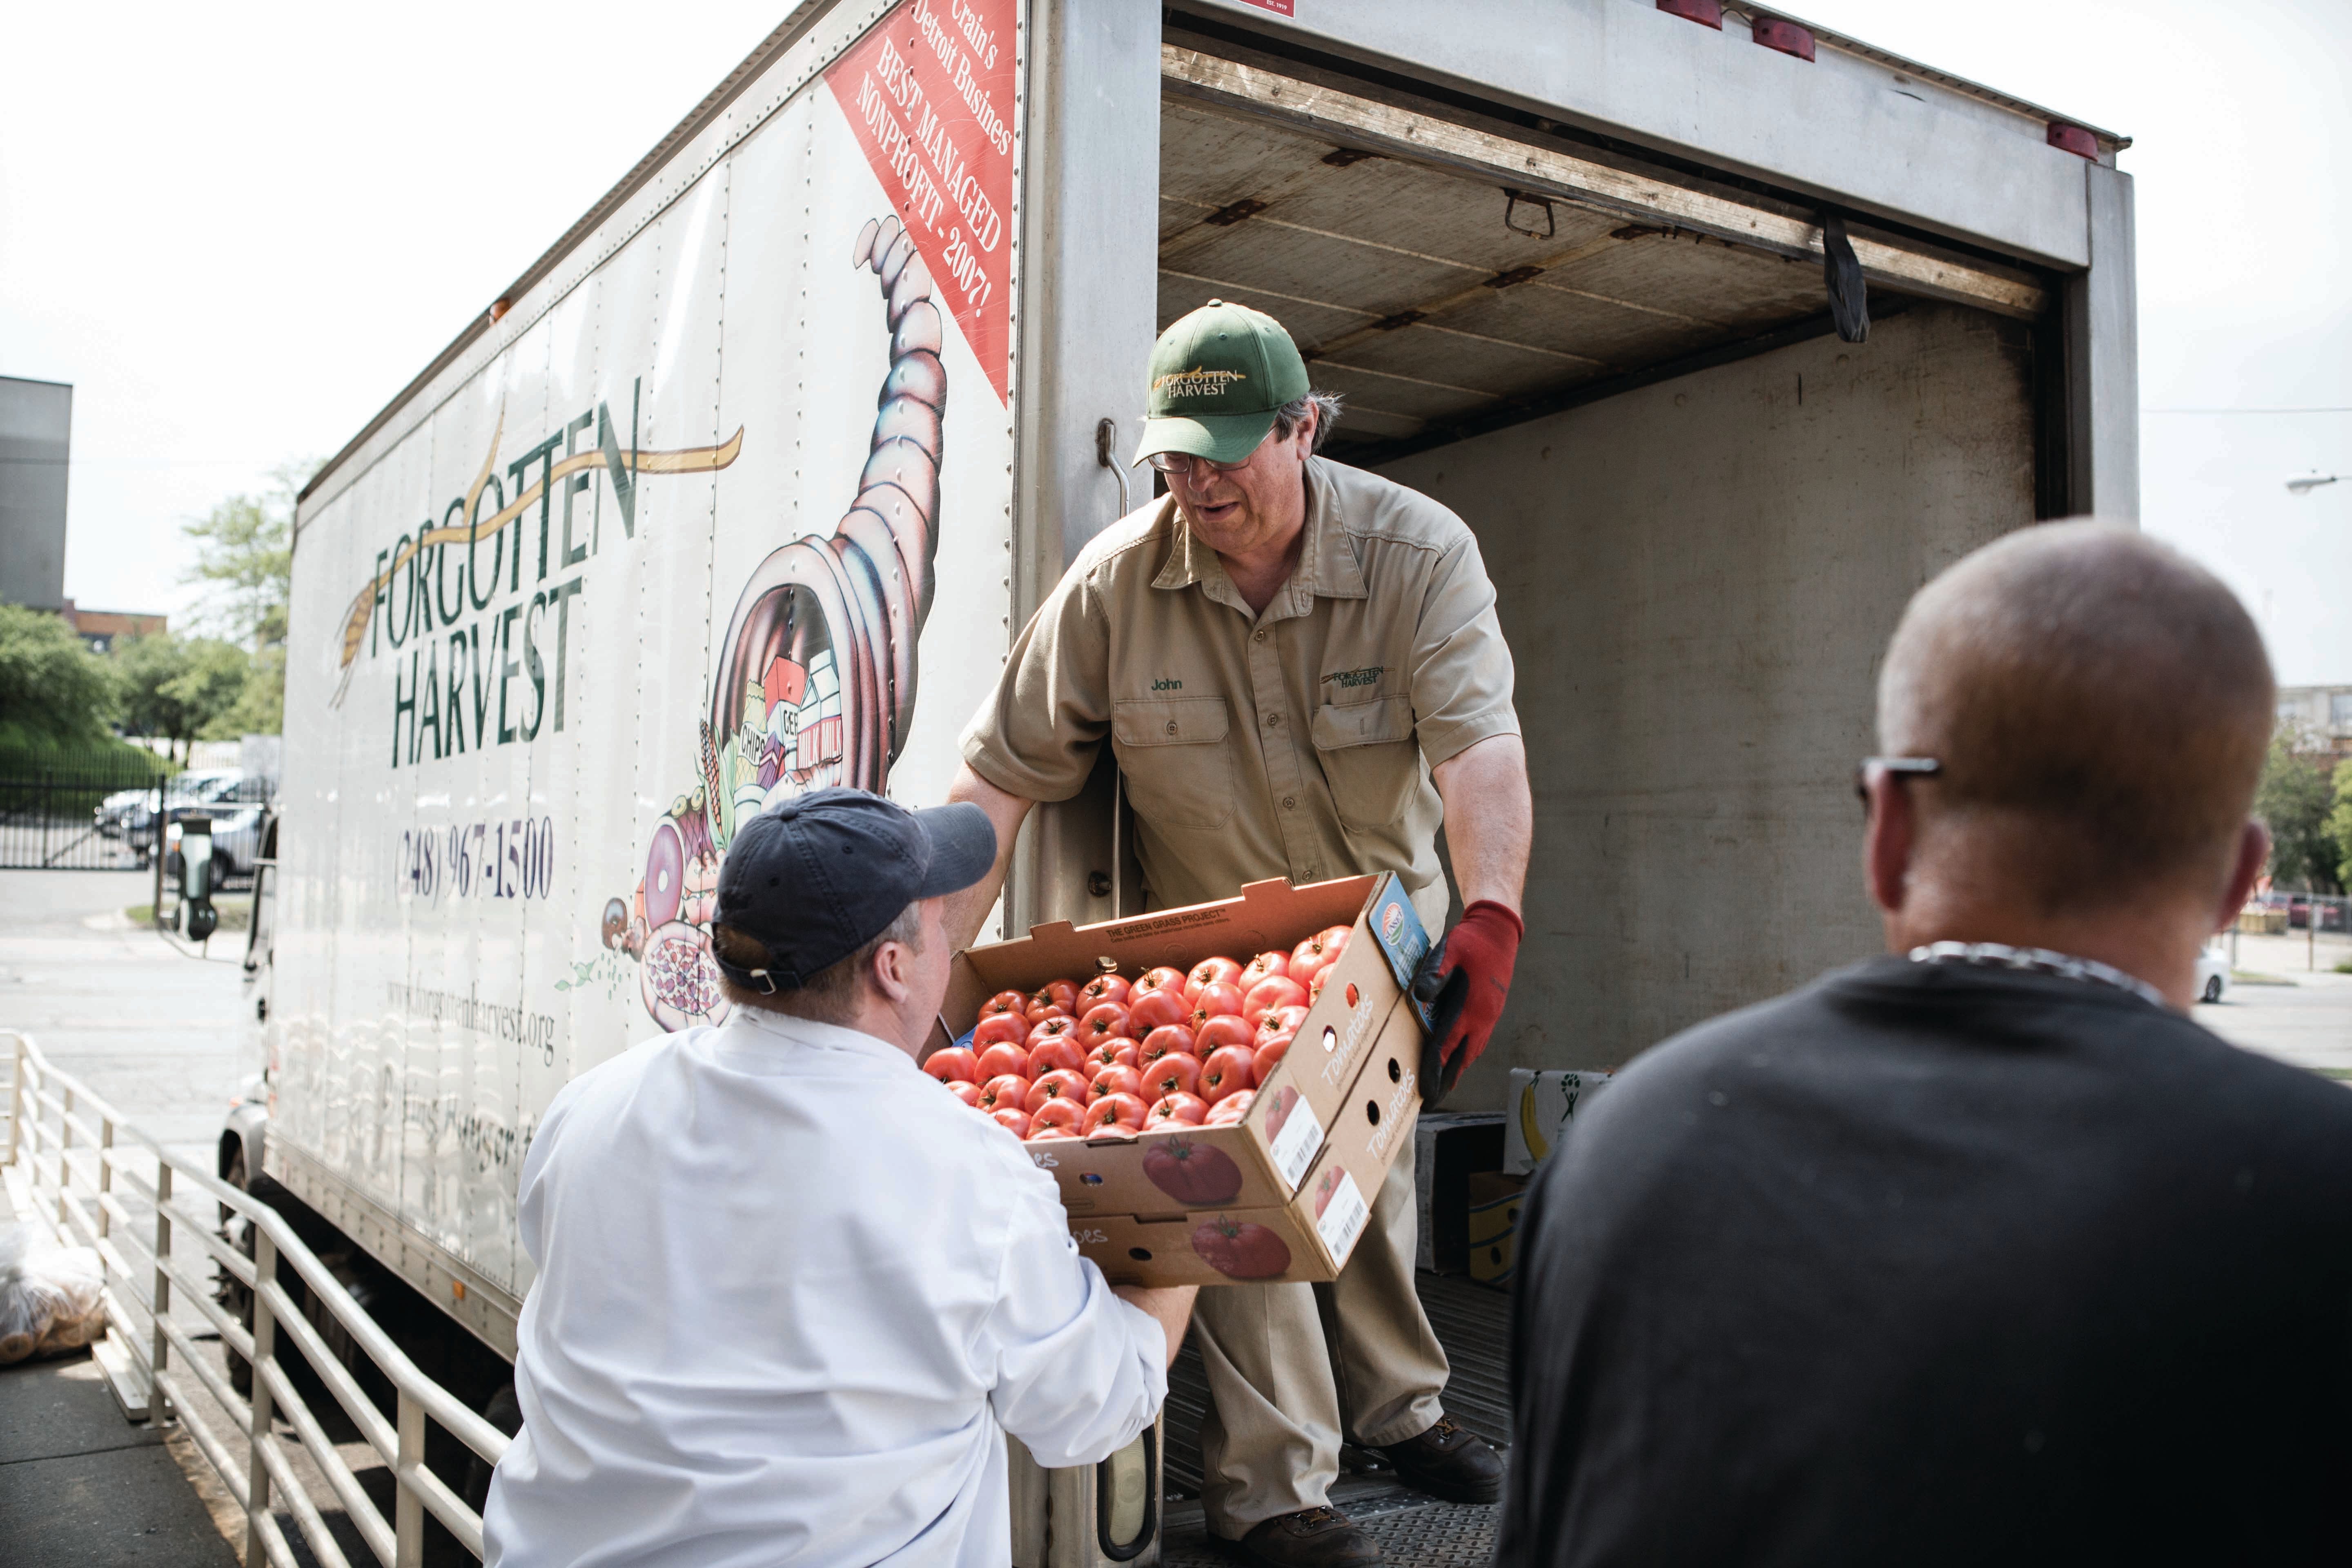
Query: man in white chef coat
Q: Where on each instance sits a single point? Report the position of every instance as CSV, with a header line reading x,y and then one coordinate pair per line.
x,y
790,1294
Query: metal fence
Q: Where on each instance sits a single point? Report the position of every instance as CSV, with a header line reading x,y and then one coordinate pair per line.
x,y
80,810
84,1168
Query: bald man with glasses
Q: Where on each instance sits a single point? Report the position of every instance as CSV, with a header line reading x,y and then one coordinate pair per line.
x,y
1983,1251
1299,667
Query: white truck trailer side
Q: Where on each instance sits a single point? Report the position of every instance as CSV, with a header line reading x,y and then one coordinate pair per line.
x,y
637,554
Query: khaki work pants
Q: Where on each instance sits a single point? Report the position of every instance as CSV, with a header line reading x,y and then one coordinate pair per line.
x,y
1287,1362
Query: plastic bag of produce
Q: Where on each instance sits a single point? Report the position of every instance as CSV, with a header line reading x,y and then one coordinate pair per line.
x,y
49,1295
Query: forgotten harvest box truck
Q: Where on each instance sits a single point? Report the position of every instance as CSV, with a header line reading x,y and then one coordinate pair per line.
x,y
1722,333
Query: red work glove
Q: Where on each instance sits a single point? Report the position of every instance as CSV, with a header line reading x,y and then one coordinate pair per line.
x,y
1464,981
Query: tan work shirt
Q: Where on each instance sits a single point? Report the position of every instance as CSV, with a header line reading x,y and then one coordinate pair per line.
x,y
1295,742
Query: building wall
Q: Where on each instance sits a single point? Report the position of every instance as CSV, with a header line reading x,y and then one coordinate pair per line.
x,y
36,423
2322,713
1697,580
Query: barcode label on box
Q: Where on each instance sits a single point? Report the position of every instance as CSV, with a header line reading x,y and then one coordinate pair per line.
x,y
1342,1214
1295,1142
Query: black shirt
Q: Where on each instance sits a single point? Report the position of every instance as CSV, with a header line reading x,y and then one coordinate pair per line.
x,y
1935,1263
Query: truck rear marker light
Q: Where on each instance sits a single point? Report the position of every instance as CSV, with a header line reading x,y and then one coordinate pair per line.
x,y
1786,37
2074,139
1707,13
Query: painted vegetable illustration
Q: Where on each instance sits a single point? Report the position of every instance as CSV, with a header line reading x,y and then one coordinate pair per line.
x,y
815,681
1279,1111
1194,1174
1241,1250
1327,1186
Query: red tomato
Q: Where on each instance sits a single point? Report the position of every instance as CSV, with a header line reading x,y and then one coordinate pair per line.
x,y
1161,979
1264,967
967,1092
1217,999
1006,1091
1229,1112
1282,1021
1011,1028
1004,1056
1315,987
1054,1026
1042,1133
1013,1001
1117,1079
1226,1072
1060,1052
1224,1029
1123,1112
1168,1040
1210,971
1103,1021
1174,1074
1268,1057
1053,996
1112,1053
956,1064
1275,991
1103,988
1178,1110
1320,951
1054,1083
1154,1008
1013,1122
1065,1114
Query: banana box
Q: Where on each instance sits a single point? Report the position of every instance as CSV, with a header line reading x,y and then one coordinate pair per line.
x,y
1495,1202
1542,1108
1362,1033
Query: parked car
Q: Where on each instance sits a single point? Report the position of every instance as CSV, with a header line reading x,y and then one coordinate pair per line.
x,y
130,814
2213,972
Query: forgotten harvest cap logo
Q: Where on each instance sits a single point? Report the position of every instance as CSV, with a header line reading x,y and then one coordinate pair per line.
x,y
1197,383
815,682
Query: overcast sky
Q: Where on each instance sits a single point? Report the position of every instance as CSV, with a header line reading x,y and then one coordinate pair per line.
x,y
238,230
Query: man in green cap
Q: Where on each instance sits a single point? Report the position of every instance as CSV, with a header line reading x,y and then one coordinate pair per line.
x,y
1299,667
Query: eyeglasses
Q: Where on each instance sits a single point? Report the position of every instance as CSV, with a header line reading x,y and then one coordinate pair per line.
x,y
1900,767
1182,463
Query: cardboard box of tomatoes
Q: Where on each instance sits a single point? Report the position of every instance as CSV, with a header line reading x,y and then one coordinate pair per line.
x,y
1218,1090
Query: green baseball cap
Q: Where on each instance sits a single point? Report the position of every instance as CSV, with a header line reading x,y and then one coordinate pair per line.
x,y
1217,377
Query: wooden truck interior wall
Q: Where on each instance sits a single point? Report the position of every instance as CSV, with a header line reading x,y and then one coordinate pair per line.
x,y
1681,551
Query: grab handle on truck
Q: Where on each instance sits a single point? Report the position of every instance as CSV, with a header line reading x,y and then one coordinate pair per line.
x,y
1125,1486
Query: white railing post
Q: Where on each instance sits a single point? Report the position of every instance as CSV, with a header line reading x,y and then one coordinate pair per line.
x,y
65,1143
265,1348
105,1172
159,1297
15,1099
408,1507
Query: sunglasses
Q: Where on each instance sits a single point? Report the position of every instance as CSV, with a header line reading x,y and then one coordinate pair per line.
x,y
1898,767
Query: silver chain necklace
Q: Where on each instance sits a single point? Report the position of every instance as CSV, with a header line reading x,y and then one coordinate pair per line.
x,y
2039,960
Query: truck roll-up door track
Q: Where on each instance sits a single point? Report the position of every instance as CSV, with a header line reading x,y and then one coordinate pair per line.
x,y
1560,176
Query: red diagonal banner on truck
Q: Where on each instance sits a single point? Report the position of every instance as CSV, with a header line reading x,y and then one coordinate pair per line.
x,y
928,92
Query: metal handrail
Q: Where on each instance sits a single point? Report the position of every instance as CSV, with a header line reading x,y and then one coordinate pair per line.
x,y
68,1145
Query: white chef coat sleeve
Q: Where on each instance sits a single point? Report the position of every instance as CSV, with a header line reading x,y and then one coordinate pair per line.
x,y
1078,1372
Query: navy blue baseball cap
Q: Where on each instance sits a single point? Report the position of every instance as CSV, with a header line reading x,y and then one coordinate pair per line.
x,y
823,874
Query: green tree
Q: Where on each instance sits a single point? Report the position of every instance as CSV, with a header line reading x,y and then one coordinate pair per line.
x,y
181,689
2294,799
2339,821
53,689
245,558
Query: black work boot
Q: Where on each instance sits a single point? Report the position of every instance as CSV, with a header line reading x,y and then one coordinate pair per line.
x,y
1447,1462
1311,1538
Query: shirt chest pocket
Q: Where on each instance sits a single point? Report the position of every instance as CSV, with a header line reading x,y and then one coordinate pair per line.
x,y
1368,758
1178,766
